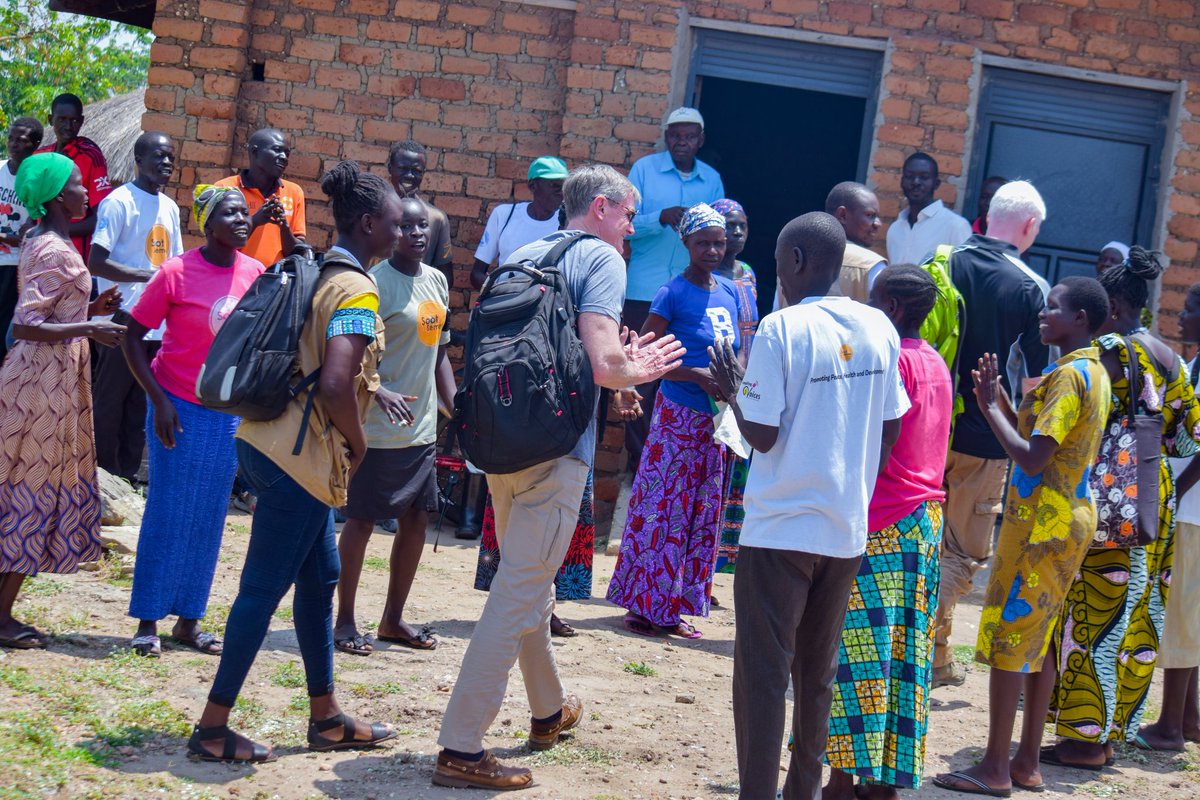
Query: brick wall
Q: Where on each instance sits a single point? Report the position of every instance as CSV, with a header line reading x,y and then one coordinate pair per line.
x,y
487,85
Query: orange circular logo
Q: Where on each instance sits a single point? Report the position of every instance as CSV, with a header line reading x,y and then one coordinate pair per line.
x,y
846,352
158,245
431,318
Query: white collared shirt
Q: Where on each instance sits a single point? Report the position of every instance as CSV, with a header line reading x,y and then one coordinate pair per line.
x,y
914,244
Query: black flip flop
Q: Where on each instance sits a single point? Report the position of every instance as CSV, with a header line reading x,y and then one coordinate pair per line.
x,y
27,638
356,645
424,640
974,785
1049,755
1036,788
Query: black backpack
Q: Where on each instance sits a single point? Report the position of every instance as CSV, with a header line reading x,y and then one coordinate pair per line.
x,y
248,370
527,394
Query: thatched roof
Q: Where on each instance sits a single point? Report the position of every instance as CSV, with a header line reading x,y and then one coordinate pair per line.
x,y
115,124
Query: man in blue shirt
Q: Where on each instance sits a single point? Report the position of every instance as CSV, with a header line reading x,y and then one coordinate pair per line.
x,y
670,182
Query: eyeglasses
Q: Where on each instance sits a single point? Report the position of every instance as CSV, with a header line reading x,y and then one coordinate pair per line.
x,y
629,213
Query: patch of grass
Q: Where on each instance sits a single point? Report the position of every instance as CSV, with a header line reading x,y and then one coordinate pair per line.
x,y
289,675
377,564
284,613
116,570
215,619
38,762
238,527
964,654
41,586
121,669
640,668
376,689
247,712
135,722
567,753
298,704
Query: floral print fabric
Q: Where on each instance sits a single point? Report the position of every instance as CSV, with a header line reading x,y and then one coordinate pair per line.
x,y
665,566
1049,518
1113,619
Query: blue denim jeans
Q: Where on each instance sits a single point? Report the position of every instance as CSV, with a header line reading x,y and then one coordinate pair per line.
x,y
291,542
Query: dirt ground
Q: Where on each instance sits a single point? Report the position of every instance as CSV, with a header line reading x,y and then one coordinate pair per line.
x,y
88,719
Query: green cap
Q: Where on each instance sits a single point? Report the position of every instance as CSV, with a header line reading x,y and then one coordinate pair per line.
x,y
548,167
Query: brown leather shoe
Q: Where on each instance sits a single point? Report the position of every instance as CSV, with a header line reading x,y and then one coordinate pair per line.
x,y
487,773
950,675
544,736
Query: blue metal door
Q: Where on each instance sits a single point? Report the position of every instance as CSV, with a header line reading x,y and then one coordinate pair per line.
x,y
1092,150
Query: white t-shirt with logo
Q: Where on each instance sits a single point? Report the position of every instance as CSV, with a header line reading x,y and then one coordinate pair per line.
x,y
13,215
825,372
137,229
509,228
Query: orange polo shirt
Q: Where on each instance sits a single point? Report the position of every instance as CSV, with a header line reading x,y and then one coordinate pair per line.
x,y
266,243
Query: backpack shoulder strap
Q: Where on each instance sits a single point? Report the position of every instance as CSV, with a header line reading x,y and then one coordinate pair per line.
x,y
556,253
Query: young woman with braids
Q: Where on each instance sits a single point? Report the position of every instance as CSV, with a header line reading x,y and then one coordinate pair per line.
x,y
1113,617
291,541
887,642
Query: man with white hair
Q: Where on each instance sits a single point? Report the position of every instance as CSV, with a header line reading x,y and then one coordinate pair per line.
x,y
536,507
1003,298
670,182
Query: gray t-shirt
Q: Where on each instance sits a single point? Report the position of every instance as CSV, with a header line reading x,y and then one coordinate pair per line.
x,y
595,275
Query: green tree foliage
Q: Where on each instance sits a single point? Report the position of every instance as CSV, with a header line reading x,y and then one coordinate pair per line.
x,y
43,53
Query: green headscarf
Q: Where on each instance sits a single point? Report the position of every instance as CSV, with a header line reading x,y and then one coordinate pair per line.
x,y
40,179
205,200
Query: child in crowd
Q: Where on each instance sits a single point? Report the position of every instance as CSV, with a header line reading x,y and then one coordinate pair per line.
x,y
665,566
881,698
1049,521
397,479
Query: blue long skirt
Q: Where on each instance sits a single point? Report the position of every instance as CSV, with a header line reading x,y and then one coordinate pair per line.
x,y
185,513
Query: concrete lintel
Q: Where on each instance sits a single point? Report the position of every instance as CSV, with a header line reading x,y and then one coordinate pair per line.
x,y
795,34
1110,78
565,5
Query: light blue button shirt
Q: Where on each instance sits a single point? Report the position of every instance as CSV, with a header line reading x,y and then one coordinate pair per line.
x,y
658,253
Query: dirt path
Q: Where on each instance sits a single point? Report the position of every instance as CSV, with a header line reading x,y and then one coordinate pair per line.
x,y
86,719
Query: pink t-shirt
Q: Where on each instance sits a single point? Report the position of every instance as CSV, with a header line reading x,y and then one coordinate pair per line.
x,y
194,297
914,472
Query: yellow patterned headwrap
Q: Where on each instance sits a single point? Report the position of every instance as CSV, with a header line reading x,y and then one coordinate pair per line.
x,y
205,199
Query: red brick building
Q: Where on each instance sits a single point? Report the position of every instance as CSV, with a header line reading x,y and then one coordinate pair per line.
x,y
1093,100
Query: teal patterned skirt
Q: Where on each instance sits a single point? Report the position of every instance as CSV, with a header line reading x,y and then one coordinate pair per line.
x,y
881,696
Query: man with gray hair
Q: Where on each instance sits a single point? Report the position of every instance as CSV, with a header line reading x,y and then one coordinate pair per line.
x,y
536,507
1003,298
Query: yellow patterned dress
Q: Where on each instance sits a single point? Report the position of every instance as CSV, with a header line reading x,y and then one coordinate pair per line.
x,y
1113,616
1049,518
